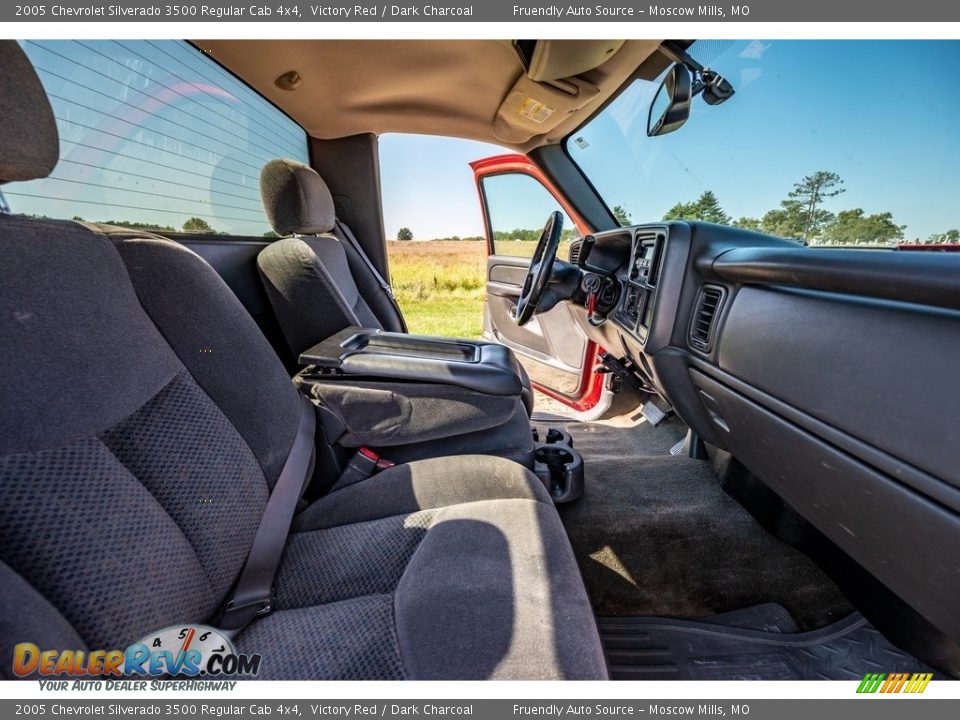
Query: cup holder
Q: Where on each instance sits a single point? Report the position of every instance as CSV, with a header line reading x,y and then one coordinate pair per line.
x,y
560,468
555,436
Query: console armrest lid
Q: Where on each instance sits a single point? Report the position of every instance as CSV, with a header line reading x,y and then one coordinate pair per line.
x,y
472,364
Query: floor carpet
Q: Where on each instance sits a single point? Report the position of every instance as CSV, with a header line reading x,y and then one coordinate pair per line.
x,y
655,535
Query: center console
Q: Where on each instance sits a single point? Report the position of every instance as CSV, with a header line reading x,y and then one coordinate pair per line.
x,y
413,396
473,365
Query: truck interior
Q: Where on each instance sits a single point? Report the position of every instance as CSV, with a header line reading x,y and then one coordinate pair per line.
x,y
757,475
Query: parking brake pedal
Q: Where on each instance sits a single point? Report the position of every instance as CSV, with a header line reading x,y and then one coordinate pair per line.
x,y
622,369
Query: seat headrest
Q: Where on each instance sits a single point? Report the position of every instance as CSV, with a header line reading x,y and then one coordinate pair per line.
x,y
296,199
29,144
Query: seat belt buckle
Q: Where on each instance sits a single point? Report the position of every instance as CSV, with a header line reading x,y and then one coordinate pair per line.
x,y
368,454
364,464
379,463
263,605
237,615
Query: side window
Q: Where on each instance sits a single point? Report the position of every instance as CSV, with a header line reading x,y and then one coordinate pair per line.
x,y
154,135
518,206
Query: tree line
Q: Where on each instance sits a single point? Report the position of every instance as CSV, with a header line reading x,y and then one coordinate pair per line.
x,y
517,234
405,234
194,225
530,235
802,215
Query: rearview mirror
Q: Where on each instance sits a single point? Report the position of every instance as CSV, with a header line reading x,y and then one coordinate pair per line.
x,y
671,105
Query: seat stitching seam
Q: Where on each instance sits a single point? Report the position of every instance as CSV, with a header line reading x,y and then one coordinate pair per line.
x,y
393,616
183,367
393,599
157,500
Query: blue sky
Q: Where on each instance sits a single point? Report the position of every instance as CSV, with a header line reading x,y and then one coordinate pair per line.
x,y
428,185
152,132
880,114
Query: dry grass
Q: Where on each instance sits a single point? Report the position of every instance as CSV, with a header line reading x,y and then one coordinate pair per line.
x,y
426,270
440,285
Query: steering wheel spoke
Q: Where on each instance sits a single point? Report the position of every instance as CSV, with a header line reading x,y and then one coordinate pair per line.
x,y
541,266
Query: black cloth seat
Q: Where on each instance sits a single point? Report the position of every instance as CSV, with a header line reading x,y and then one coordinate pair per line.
x,y
144,421
319,282
467,584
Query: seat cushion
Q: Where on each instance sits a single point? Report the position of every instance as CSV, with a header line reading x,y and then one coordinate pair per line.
x,y
423,485
454,568
145,421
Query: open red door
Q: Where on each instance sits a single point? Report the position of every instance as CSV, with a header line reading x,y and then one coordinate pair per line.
x,y
516,199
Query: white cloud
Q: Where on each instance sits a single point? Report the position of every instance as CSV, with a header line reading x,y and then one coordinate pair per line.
x,y
754,51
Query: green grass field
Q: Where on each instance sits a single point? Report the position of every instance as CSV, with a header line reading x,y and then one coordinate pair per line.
x,y
440,285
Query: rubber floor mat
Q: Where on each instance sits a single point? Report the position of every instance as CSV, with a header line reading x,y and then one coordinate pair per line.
x,y
758,643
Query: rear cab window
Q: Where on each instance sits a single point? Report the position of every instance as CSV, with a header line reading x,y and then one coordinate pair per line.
x,y
154,135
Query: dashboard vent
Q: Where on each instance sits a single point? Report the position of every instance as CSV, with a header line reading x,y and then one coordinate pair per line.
x,y
705,314
574,256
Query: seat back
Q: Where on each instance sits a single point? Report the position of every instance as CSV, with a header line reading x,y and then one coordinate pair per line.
x,y
374,290
144,419
318,282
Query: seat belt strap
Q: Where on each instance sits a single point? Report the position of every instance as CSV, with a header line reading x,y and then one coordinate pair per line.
x,y
253,593
348,235
351,240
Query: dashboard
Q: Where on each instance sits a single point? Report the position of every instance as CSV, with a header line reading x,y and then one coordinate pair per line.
x,y
625,269
634,312
786,358
655,295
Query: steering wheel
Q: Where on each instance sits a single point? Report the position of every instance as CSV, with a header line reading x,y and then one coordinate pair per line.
x,y
541,266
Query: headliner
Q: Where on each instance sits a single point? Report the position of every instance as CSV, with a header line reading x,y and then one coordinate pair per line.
x,y
433,87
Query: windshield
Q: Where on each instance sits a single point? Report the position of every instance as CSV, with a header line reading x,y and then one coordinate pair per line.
x,y
836,142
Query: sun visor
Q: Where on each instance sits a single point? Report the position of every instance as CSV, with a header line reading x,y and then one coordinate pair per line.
x,y
557,59
533,108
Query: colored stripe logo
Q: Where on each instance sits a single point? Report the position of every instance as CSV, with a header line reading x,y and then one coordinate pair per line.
x,y
894,682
